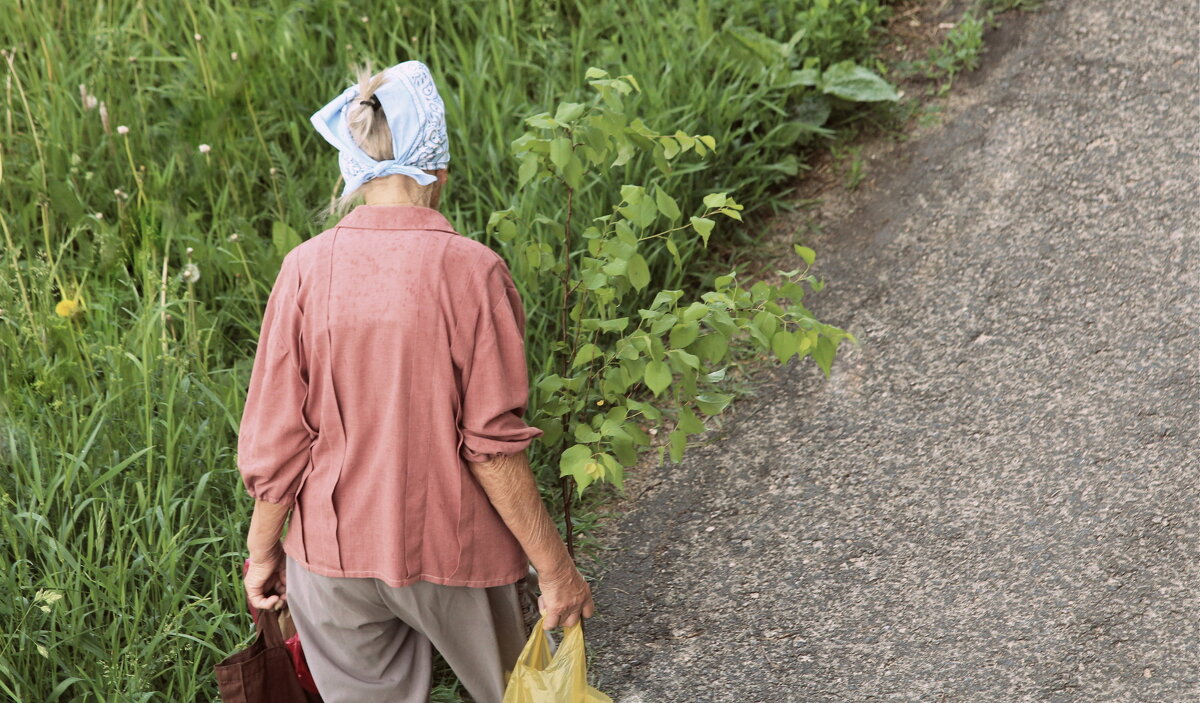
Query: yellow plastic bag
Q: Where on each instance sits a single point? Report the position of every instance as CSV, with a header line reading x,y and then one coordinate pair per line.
x,y
539,678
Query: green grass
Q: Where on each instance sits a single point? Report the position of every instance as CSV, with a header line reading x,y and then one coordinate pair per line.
x,y
119,487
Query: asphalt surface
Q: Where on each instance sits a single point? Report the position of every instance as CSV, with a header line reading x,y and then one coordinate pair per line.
x,y
995,497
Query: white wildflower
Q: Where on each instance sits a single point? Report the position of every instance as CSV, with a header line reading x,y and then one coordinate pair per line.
x,y
104,117
204,148
89,101
197,36
191,273
189,251
234,237
122,129
233,56
364,19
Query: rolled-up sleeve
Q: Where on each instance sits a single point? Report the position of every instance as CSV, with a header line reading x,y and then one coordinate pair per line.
x,y
489,349
274,438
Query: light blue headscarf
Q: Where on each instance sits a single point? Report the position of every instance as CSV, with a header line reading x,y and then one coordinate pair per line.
x,y
415,115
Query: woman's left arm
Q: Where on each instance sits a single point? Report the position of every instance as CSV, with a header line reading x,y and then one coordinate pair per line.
x,y
266,585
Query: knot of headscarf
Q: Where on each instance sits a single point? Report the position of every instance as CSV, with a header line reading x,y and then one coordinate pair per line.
x,y
417,120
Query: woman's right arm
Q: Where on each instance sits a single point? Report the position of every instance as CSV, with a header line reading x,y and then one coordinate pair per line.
x,y
510,487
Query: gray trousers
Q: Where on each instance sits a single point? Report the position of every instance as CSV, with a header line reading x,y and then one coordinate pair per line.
x,y
365,641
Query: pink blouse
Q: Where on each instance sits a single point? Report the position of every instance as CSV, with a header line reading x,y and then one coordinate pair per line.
x,y
391,353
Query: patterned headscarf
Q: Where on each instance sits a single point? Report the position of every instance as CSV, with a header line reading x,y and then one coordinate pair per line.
x,y
415,115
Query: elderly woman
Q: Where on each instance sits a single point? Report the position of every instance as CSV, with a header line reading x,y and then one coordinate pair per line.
x,y
384,416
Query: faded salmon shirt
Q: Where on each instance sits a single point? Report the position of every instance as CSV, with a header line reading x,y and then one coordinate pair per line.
x,y
391,353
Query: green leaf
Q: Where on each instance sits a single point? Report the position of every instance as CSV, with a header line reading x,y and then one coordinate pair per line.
x,y
569,112
689,423
638,272
703,227
506,230
584,433
542,121
560,151
658,376
849,81
284,238
593,73
667,205
784,344
574,458
713,403
709,141
806,77
670,147
632,194
712,347
695,311
715,200
823,354
805,253
614,325
573,172
585,354
678,445
684,334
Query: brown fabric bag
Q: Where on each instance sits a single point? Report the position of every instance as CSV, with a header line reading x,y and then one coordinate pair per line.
x,y
262,672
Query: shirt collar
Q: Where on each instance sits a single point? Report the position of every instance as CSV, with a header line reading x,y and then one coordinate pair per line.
x,y
397,217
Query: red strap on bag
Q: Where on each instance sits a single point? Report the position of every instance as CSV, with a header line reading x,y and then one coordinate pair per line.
x,y
293,646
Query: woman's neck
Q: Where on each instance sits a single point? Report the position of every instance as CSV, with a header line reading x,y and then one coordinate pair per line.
x,y
401,190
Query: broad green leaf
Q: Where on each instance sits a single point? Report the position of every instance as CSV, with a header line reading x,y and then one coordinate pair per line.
x,y
658,376
684,334
573,172
709,141
715,200
573,459
766,322
713,403
613,470
703,227
662,324
560,152
284,238
632,194
551,428
783,344
670,147
806,77
678,440
585,354
689,423
694,312
543,121
569,112
849,81
584,433
638,272
823,354
712,347
666,205
593,73
805,253
617,324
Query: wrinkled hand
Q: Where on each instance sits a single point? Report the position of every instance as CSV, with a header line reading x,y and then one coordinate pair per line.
x,y
266,581
564,598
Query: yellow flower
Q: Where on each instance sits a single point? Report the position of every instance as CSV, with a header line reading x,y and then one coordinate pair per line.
x,y
69,308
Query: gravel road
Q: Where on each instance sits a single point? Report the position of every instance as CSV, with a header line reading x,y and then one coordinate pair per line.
x,y
995,497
